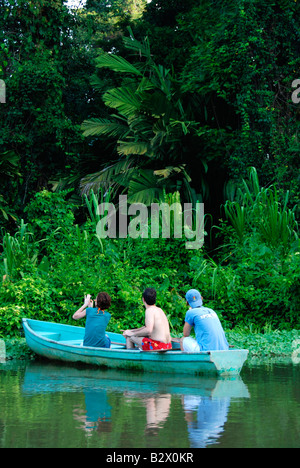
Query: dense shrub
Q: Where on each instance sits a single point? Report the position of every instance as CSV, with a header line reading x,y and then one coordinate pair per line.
x,y
257,276
254,284
260,290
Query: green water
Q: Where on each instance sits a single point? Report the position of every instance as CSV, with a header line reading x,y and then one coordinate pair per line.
x,y
52,406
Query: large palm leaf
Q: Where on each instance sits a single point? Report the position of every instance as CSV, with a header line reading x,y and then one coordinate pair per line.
x,y
124,100
117,64
114,175
126,148
144,187
97,127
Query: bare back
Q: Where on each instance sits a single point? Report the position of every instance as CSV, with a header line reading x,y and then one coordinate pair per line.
x,y
157,321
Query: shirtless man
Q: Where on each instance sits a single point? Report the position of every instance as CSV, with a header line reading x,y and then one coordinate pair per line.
x,y
155,335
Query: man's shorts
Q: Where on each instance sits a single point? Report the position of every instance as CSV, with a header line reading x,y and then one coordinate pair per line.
x,y
190,345
152,345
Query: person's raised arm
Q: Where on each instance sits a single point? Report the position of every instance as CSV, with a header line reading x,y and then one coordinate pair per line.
x,y
81,313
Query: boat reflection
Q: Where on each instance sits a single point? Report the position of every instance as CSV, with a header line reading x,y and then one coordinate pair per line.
x,y
203,402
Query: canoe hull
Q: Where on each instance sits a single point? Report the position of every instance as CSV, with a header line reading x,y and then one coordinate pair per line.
x,y
63,342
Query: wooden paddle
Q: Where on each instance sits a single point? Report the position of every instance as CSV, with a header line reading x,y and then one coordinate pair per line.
x,y
117,343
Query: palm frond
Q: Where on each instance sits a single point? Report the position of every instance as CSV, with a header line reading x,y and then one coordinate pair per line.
x,y
132,147
98,83
110,176
156,104
96,127
145,187
145,85
117,64
122,99
161,79
141,127
9,164
169,170
142,48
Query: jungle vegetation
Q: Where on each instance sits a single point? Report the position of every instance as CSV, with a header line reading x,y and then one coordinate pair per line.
x,y
162,100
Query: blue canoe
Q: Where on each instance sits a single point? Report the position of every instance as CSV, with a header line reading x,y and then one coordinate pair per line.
x,y
64,343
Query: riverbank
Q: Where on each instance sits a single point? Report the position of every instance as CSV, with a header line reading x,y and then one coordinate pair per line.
x,y
17,349
270,344
267,344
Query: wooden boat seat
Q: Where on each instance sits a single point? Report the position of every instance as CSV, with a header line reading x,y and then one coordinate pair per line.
x,y
50,336
72,342
80,343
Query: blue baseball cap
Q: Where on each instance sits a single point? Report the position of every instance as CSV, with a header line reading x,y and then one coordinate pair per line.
x,y
194,298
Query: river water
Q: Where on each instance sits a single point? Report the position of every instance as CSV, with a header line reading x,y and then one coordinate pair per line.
x,y
47,405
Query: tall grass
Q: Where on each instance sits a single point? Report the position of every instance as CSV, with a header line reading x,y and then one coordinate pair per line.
x,y
17,249
92,202
258,209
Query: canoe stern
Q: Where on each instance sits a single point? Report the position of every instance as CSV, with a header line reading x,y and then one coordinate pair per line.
x,y
229,362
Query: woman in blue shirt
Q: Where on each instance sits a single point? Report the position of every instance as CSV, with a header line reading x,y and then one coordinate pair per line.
x,y
97,319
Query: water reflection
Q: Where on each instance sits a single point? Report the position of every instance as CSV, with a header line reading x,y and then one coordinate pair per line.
x,y
97,412
198,406
157,408
206,418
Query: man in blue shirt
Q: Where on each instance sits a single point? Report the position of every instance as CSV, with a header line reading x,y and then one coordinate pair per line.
x,y
209,332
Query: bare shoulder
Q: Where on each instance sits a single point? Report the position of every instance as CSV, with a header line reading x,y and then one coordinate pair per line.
x,y
150,311
160,312
154,311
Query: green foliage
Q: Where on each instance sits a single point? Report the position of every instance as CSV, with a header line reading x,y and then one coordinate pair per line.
x,y
39,121
256,277
9,173
71,262
264,344
151,127
18,251
48,280
50,218
254,285
17,348
211,97
243,62
117,10
258,212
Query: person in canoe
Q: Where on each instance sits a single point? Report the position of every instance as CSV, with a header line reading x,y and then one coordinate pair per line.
x,y
97,319
209,332
155,335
